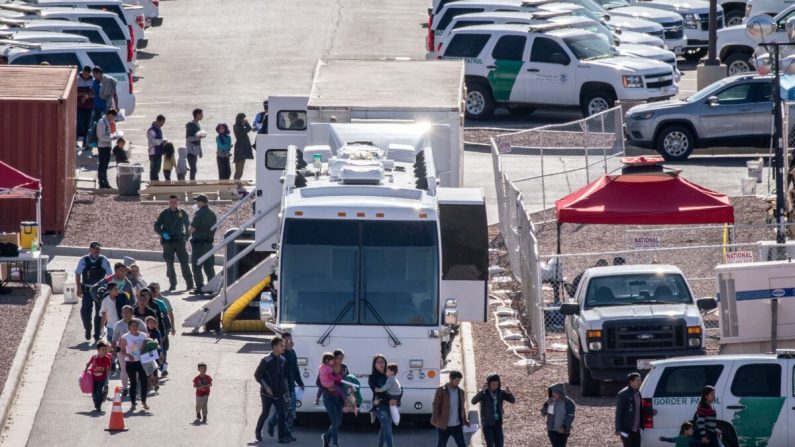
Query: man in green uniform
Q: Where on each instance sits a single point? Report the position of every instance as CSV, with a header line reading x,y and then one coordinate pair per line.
x,y
171,225
202,237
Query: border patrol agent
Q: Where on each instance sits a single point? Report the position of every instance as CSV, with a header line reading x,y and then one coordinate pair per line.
x,y
171,225
91,269
201,241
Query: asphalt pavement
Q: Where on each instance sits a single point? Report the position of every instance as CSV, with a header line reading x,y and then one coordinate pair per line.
x,y
65,417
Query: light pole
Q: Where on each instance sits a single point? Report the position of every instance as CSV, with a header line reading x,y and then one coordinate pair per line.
x,y
759,28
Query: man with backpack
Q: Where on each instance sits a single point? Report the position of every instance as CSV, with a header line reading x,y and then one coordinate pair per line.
x,y
90,270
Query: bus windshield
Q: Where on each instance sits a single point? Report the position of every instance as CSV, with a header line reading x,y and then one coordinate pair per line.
x,y
359,272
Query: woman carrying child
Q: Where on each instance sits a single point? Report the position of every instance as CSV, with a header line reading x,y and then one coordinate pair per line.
x,y
381,402
333,393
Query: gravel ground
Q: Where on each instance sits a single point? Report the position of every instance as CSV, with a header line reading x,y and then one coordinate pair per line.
x,y
560,137
123,222
15,309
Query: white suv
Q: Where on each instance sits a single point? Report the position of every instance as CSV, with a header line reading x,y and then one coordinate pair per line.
x,y
93,33
110,22
78,55
39,36
523,67
754,397
736,50
766,7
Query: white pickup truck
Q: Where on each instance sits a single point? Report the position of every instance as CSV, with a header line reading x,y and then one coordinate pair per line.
x,y
737,51
623,317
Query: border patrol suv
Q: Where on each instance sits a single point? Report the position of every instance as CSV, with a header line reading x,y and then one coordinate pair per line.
x,y
754,397
523,67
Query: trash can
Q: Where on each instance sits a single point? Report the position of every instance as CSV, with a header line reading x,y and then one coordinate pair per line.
x,y
128,178
56,278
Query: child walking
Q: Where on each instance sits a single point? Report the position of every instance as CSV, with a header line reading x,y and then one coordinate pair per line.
x,y
223,142
154,334
392,389
169,160
99,365
685,438
182,162
202,383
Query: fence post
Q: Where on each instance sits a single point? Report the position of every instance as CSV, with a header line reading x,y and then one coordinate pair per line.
x,y
586,145
543,183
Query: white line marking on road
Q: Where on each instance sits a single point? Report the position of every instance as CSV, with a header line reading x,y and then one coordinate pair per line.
x,y
154,102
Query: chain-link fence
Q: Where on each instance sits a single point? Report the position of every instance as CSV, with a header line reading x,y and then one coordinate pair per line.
x,y
549,162
535,168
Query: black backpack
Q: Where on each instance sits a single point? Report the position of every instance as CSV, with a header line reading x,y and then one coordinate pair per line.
x,y
9,250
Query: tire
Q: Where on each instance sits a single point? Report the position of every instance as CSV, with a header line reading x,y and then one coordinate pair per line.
x,y
573,367
595,101
734,17
521,111
479,101
675,143
590,386
695,54
729,435
737,63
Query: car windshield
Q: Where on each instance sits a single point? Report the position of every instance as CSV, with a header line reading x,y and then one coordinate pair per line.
x,y
591,6
361,272
707,91
590,47
601,30
637,288
610,4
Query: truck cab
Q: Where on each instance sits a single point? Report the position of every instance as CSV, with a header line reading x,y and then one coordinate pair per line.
x,y
623,317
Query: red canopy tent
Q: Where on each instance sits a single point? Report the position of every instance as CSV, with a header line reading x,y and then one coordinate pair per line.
x,y
644,199
18,185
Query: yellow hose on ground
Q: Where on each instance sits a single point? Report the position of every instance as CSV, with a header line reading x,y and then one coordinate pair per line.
x,y
229,320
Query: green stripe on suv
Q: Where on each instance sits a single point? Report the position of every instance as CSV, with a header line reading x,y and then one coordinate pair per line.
x,y
503,78
754,424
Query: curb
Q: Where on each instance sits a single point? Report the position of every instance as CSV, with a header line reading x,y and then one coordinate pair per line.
x,y
14,379
112,253
470,378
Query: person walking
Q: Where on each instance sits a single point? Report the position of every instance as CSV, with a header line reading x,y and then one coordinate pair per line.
x,y
449,411
559,410
169,160
108,310
131,345
271,374
91,269
171,225
223,153
155,141
333,395
243,149
105,135
706,430
202,383
381,402
202,237
85,103
293,380
99,364
122,327
491,399
193,140
628,412
105,95
161,301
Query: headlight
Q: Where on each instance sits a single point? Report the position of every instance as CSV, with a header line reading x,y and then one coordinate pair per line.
x,y
641,116
633,81
695,342
595,345
691,20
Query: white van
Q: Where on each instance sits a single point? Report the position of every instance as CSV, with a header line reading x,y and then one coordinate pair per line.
x,y
755,395
78,55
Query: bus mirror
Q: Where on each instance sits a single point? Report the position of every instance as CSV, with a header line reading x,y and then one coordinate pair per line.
x,y
267,310
450,312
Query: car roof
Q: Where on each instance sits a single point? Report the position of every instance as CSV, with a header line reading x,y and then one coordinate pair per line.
x,y
472,3
698,360
500,27
41,11
54,46
27,35
633,268
749,76
55,23
74,2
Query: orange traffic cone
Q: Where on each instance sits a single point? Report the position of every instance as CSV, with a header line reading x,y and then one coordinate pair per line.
x,y
116,415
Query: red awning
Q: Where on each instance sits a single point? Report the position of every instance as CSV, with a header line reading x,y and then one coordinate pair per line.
x,y
17,185
644,199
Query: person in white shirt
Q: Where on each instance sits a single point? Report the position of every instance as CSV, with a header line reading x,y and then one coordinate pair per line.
x,y
155,141
108,311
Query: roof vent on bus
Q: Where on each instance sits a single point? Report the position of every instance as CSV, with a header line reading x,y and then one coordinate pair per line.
x,y
362,173
323,150
401,153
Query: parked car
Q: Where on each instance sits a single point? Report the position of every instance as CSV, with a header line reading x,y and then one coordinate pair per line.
x,y
624,317
754,397
735,111
39,36
737,51
766,7
93,33
151,10
78,55
111,24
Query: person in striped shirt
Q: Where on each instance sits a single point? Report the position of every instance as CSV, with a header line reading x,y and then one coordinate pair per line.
x,y
706,419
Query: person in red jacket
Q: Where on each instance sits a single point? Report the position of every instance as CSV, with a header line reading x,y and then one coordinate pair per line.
x,y
202,383
99,365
